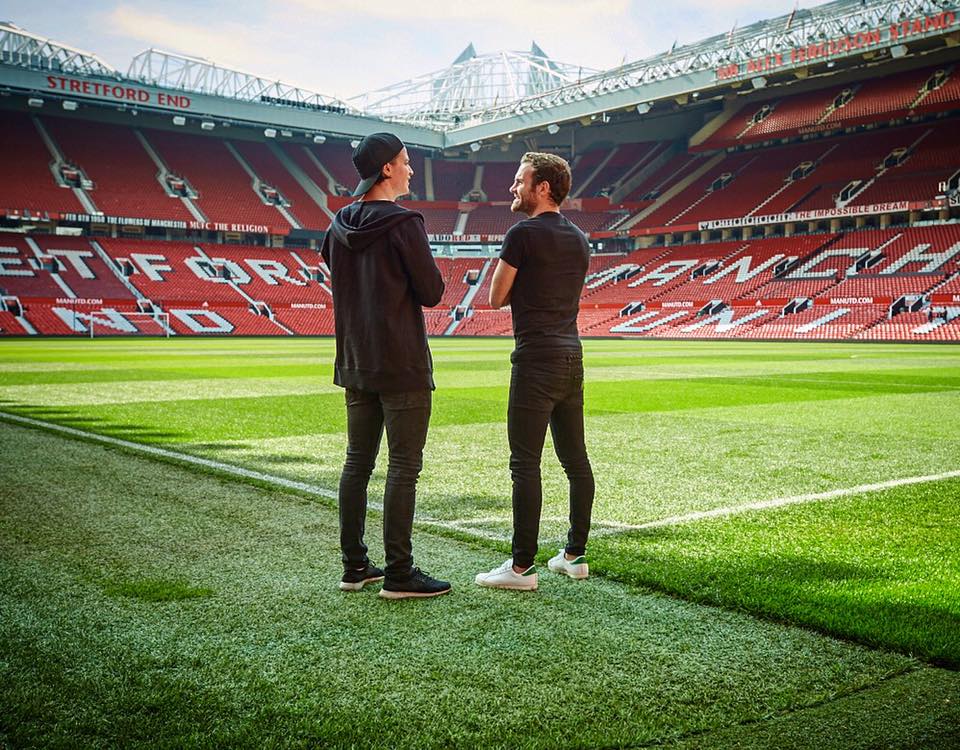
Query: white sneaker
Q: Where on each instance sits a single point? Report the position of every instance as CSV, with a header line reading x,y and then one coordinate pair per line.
x,y
504,577
577,568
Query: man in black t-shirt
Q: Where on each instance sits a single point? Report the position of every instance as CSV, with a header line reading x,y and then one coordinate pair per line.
x,y
541,271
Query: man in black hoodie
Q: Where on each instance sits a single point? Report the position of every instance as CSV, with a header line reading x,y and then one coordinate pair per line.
x,y
382,273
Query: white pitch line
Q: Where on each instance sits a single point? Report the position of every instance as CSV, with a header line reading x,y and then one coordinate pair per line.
x,y
175,455
779,502
612,527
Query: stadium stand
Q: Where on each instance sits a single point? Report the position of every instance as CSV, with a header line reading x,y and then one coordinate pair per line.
x,y
124,177
9,325
82,269
593,221
452,180
672,171
454,272
886,137
304,158
225,190
306,321
22,273
169,272
418,183
217,320
625,158
269,169
881,98
438,220
27,181
486,322
337,159
586,164
491,220
497,180
436,322
269,276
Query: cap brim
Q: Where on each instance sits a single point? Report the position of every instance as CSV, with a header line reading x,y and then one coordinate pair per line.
x,y
365,184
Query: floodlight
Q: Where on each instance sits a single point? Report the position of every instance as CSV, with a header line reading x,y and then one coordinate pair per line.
x,y
898,51
70,106
759,82
354,143
270,132
179,120
643,108
475,146
34,102
286,133
319,139
553,128
207,125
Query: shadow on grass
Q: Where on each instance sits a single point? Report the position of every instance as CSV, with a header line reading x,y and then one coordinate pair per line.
x,y
862,603
89,423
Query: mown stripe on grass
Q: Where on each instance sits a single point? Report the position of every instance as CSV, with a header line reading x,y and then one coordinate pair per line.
x,y
230,469
601,527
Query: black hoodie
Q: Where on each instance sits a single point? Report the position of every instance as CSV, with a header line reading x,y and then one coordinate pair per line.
x,y
381,272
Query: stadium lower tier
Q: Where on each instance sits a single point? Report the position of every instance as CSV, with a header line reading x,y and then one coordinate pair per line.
x,y
821,322
891,284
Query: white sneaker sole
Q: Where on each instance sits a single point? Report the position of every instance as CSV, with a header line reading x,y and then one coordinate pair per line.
x,y
344,586
576,572
505,585
385,594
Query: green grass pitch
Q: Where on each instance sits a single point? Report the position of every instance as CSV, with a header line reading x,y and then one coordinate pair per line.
x,y
145,602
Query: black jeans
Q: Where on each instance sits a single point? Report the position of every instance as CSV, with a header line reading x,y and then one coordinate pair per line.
x,y
405,417
547,391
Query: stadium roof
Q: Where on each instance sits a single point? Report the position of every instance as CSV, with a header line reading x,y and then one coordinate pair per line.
x,y
482,98
202,76
471,85
21,47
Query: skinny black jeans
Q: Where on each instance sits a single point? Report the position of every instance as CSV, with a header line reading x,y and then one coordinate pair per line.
x,y
548,390
405,416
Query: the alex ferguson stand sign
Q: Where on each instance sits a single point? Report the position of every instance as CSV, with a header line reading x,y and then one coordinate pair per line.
x,y
953,196
860,41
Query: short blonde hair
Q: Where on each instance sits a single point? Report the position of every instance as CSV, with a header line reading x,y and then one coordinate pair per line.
x,y
552,169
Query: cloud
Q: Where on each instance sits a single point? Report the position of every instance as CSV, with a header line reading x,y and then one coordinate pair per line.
x,y
539,13
230,43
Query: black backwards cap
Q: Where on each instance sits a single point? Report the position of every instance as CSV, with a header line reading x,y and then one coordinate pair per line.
x,y
371,154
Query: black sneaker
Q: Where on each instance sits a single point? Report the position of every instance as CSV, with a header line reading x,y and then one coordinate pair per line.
x,y
355,579
418,584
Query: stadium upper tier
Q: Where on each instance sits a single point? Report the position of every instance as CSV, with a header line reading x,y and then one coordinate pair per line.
x,y
70,165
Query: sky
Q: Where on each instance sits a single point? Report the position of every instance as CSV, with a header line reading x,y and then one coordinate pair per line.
x,y
349,47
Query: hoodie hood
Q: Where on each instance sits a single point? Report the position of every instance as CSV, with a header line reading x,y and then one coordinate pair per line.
x,y
362,223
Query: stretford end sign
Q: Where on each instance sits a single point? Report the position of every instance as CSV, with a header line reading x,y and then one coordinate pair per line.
x,y
119,92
